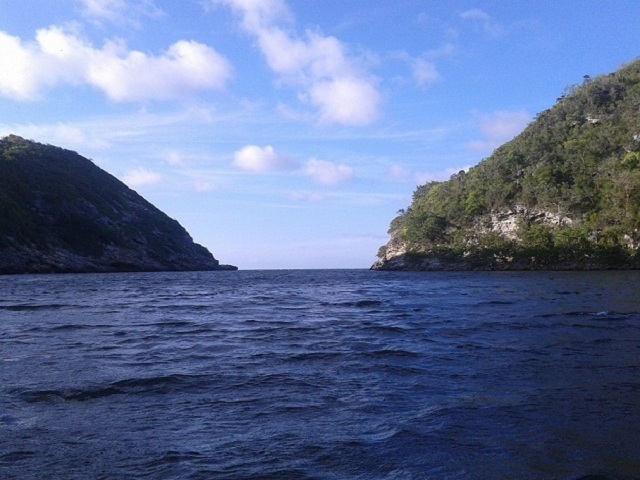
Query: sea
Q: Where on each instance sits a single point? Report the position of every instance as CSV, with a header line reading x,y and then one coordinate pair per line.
x,y
320,374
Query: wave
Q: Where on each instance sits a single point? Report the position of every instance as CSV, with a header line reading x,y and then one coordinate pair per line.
x,y
174,456
599,314
354,304
392,353
134,386
34,307
16,456
319,356
495,302
70,327
354,375
387,329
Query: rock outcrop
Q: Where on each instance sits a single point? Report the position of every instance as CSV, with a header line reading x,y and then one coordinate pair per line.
x,y
507,223
563,194
508,226
61,213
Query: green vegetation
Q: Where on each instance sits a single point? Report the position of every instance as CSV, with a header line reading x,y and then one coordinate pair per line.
x,y
578,161
60,212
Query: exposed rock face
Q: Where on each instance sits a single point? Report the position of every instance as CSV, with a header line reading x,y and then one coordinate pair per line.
x,y
394,256
506,224
580,157
61,213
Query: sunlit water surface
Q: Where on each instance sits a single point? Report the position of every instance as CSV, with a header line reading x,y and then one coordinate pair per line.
x,y
320,375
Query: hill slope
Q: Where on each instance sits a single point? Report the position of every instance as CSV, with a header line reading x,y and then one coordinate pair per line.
x,y
564,194
61,213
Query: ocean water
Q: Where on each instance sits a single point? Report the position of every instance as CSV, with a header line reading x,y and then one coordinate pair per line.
x,y
337,374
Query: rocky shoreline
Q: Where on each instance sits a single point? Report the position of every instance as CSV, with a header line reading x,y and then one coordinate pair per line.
x,y
398,256
434,263
60,213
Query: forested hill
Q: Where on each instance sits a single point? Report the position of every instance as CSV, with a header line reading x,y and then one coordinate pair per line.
x,y
61,213
564,194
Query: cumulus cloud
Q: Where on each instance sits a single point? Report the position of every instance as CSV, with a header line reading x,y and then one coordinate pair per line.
x,y
345,100
140,177
60,57
327,173
185,66
257,159
497,128
318,66
17,78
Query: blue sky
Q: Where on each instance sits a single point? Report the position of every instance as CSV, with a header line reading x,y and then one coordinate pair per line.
x,y
287,133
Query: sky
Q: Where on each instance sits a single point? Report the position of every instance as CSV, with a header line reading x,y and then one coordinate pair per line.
x,y
288,133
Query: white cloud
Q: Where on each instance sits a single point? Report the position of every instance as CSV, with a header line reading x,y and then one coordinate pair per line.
x,y
345,100
484,20
423,67
119,11
202,186
498,128
60,57
317,66
92,136
328,173
134,76
398,173
257,13
504,125
17,77
175,159
475,14
103,9
140,177
424,72
76,137
257,159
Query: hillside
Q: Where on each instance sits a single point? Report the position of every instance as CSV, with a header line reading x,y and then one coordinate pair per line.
x,y
61,213
564,194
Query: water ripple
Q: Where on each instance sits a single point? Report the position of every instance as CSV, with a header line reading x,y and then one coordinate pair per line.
x,y
321,375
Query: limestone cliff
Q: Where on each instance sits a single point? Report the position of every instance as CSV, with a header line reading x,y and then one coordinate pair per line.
x,y
564,194
507,225
61,213
502,241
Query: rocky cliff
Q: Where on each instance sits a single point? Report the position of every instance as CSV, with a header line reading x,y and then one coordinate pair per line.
x,y
507,228
61,213
564,194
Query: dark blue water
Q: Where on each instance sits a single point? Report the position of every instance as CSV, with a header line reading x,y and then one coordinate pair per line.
x,y
320,375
